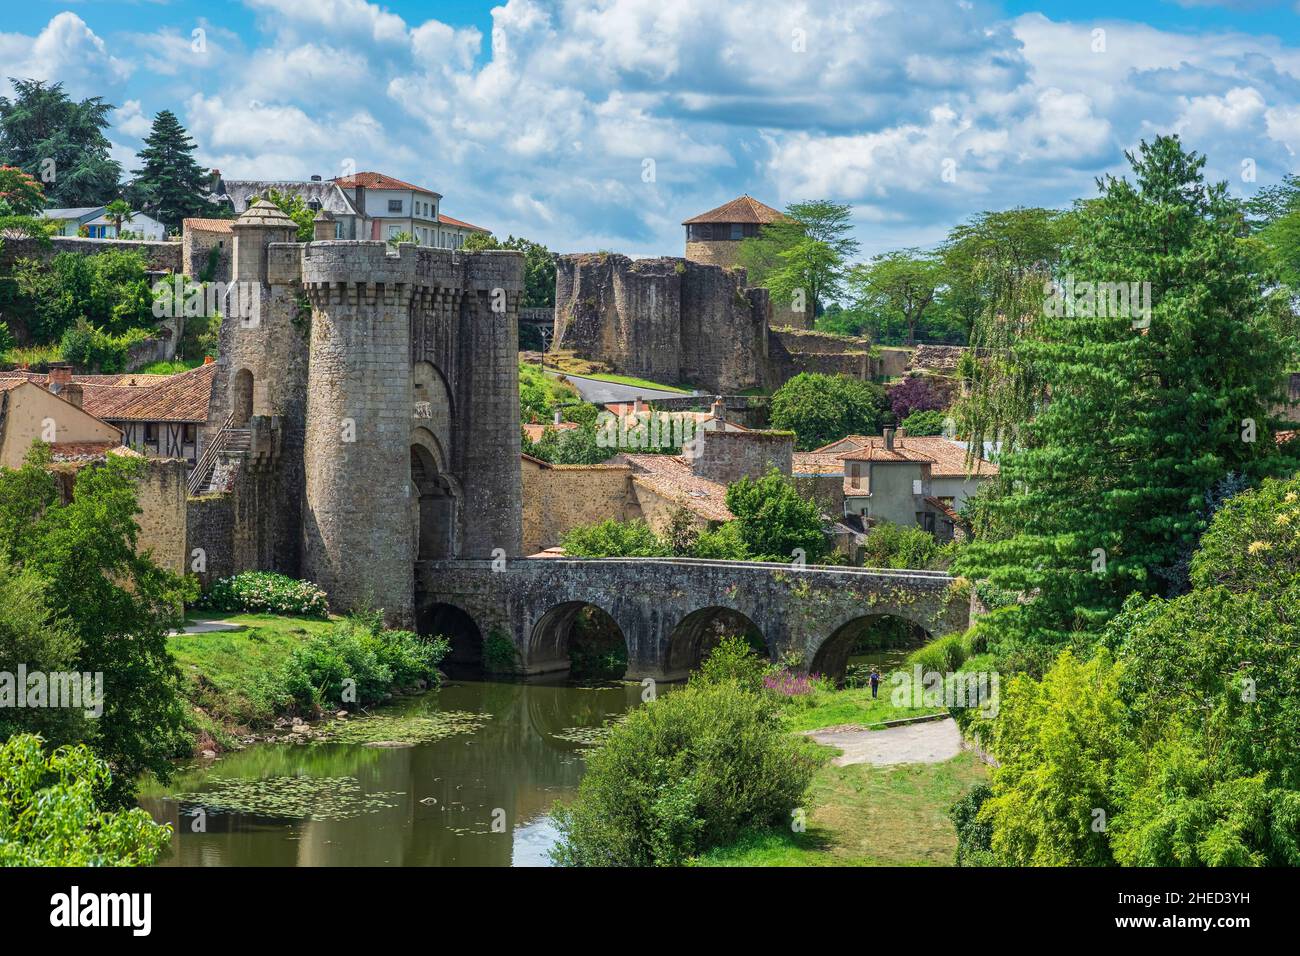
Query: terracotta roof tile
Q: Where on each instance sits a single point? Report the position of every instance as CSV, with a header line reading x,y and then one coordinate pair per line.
x,y
947,458
534,430
207,225
175,398
378,181
742,209
448,221
670,477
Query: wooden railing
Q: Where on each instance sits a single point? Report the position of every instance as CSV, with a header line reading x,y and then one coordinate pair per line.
x,y
203,467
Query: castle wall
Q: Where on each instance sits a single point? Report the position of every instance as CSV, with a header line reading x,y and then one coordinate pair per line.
x,y
723,329
668,320
160,495
628,313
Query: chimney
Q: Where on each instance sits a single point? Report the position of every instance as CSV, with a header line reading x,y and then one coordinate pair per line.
x,y
889,439
638,407
718,409
208,360
558,417
322,226
58,377
71,393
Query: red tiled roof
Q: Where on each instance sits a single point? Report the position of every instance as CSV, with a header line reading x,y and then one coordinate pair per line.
x,y
208,225
448,221
743,209
813,463
174,398
378,181
940,505
947,458
534,430
670,477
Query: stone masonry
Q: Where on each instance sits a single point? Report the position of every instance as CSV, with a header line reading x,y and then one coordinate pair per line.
x,y
375,396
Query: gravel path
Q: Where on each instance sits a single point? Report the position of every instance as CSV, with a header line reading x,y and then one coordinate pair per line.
x,y
931,742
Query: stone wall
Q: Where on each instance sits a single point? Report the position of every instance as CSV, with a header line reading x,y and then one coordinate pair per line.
x,y
667,320
197,252
557,498
826,490
161,256
941,359
724,253
209,526
160,494
725,457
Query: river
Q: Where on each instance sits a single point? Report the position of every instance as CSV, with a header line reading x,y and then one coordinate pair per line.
x,y
478,794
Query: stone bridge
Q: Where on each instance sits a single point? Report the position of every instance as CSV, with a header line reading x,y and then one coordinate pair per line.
x,y
670,611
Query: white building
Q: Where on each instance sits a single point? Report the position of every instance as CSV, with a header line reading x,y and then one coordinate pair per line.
x,y
98,225
364,206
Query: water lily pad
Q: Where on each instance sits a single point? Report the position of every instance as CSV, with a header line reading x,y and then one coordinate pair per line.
x,y
402,729
302,798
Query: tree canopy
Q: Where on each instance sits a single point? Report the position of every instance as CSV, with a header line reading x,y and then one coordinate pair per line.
x,y
59,141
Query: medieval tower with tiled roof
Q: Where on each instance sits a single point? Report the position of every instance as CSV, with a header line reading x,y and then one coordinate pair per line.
x,y
714,237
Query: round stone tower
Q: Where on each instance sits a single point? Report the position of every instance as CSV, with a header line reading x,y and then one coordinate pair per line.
x,y
357,532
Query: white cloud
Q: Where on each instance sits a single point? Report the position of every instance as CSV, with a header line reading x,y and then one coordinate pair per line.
x,y
65,51
541,126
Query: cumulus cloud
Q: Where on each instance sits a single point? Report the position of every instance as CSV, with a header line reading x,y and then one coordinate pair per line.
x,y
66,50
592,125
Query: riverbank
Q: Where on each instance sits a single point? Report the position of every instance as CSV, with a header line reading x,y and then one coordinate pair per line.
x,y
864,815
226,674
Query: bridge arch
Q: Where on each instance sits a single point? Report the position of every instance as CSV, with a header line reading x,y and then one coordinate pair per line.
x,y
831,655
551,639
459,628
698,632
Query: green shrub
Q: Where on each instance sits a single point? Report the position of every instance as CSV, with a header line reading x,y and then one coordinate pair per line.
x,y
50,814
360,664
91,348
266,591
974,836
733,660
500,655
924,423
614,539
944,655
687,772
890,545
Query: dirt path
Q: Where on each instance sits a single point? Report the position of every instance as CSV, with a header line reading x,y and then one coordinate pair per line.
x,y
931,742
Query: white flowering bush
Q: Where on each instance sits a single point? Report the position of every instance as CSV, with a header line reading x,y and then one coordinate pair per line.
x,y
266,591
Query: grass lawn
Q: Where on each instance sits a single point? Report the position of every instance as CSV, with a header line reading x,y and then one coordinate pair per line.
x,y
868,816
854,706
170,368
226,672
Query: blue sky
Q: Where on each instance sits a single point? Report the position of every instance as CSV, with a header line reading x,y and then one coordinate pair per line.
x,y
602,124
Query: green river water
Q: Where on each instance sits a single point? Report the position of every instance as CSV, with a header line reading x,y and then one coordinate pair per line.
x,y
477,795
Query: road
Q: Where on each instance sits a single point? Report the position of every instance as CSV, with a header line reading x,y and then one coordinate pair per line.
x,y
598,393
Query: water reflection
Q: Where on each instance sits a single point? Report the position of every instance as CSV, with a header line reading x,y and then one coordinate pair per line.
x,y
431,804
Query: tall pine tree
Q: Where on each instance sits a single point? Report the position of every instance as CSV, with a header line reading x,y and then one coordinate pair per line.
x,y
170,185
1145,411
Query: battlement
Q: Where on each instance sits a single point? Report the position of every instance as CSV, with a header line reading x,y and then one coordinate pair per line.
x,y
370,263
